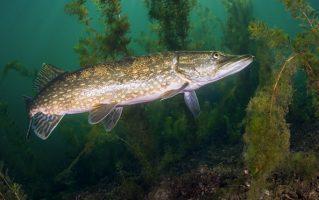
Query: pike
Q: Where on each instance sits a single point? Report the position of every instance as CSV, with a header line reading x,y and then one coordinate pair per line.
x,y
104,89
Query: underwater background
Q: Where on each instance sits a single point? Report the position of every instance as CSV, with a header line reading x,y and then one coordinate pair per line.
x,y
256,137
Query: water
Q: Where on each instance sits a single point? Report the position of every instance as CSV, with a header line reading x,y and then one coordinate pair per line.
x,y
156,140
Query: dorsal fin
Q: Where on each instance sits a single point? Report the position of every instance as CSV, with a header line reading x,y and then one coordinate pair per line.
x,y
46,74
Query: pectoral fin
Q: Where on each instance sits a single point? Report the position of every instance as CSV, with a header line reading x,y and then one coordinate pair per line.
x,y
111,119
192,102
43,124
172,93
100,112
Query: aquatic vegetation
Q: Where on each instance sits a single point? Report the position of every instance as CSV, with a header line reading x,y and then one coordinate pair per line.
x,y
295,179
200,183
78,8
199,35
19,68
267,132
303,11
173,21
8,188
303,165
99,46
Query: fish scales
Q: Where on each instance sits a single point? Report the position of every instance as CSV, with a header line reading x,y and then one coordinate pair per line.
x,y
126,82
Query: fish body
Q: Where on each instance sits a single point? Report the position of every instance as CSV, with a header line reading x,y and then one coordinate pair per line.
x,y
130,81
104,89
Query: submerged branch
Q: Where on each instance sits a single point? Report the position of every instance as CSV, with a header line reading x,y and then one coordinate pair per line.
x,y
275,87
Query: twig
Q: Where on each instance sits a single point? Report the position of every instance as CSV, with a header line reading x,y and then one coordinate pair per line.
x,y
309,21
278,79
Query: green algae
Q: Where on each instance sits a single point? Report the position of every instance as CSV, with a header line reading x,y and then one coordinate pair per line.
x,y
173,21
78,9
267,134
101,45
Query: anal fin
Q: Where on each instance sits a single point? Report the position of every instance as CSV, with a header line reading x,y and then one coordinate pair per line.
x,y
43,124
172,93
111,119
100,112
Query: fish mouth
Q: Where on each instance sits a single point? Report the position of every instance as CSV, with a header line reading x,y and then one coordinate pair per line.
x,y
238,63
233,65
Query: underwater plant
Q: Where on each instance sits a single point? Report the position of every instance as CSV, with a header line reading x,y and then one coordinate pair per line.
x,y
8,188
267,134
78,8
199,24
18,67
100,46
173,21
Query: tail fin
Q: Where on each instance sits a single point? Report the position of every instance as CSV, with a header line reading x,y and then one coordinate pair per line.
x,y
28,101
41,124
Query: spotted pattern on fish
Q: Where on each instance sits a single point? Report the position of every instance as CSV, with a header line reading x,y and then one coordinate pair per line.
x,y
120,82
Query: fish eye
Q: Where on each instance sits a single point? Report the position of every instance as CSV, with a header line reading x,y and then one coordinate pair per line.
x,y
216,55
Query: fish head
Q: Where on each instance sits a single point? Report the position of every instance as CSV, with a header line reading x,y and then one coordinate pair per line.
x,y
206,67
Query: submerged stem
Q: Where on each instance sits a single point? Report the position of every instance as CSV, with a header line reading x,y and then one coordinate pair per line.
x,y
278,79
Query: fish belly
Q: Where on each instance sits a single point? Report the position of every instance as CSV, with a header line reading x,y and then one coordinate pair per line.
x,y
152,96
